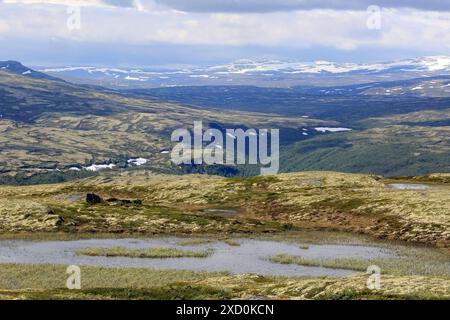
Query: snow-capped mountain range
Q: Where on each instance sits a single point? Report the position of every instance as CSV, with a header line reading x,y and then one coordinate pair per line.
x,y
254,72
436,63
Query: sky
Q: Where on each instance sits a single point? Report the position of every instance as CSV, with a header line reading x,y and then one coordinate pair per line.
x,y
205,32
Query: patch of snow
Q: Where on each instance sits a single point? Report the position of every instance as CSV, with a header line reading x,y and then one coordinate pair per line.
x,y
408,186
99,167
137,161
329,129
199,76
132,78
364,87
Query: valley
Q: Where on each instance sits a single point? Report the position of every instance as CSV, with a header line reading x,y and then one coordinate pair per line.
x,y
86,179
50,124
213,157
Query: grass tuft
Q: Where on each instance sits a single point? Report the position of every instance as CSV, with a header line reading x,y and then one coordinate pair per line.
x,y
153,253
349,264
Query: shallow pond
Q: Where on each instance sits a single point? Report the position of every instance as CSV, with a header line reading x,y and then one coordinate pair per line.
x,y
249,257
223,212
408,186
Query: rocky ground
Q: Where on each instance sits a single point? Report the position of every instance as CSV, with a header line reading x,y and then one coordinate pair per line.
x,y
146,203
141,203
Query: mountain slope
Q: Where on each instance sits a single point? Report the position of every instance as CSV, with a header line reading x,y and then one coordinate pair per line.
x,y
51,125
48,125
18,68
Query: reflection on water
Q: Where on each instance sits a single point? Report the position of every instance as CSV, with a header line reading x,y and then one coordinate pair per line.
x,y
224,212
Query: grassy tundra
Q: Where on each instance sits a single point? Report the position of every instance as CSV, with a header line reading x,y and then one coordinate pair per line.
x,y
186,204
288,206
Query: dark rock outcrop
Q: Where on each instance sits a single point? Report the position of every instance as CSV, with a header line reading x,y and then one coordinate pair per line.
x,y
92,198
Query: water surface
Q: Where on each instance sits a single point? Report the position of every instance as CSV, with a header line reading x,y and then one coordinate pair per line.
x,y
249,257
408,186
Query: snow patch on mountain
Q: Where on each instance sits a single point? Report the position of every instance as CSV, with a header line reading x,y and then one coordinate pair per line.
x,y
99,167
329,129
137,161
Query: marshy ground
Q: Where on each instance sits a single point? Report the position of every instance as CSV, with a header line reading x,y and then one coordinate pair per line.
x,y
407,271
315,232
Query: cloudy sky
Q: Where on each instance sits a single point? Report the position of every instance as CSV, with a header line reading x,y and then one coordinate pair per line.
x,y
168,32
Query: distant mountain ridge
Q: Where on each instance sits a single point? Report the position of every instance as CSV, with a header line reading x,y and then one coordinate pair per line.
x,y
427,64
432,63
259,72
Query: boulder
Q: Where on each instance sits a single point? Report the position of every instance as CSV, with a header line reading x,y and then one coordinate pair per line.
x,y
92,198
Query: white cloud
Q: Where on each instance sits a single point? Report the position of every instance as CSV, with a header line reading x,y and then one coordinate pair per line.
x,y
290,5
93,3
4,26
140,5
341,29
243,6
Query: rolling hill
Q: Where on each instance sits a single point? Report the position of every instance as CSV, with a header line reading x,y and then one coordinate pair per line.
x,y
18,68
50,124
